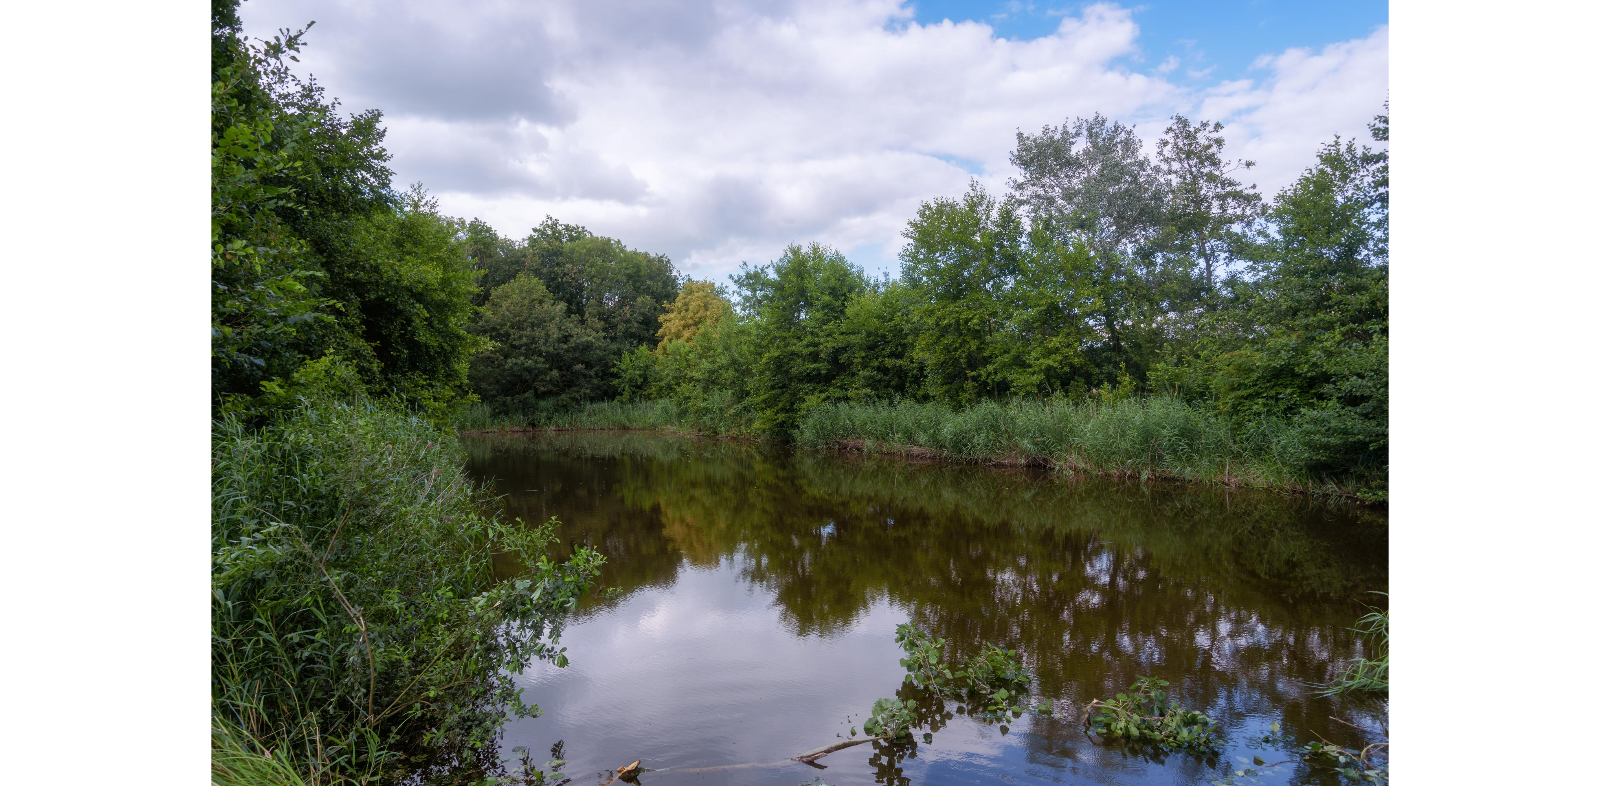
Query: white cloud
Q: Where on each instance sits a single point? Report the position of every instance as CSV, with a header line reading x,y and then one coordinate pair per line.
x,y
718,132
1303,101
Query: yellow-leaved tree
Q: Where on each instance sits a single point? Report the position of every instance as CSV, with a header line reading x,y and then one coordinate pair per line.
x,y
697,306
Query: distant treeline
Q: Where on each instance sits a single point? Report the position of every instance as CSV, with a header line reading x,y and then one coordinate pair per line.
x,y
1105,271
1103,274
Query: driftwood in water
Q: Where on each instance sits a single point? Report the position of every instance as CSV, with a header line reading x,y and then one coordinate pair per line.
x,y
627,772
813,755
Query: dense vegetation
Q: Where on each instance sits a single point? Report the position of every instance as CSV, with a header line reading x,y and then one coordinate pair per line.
x,y
360,632
1112,311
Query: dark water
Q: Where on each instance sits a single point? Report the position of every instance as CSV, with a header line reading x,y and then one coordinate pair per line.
x,y
760,590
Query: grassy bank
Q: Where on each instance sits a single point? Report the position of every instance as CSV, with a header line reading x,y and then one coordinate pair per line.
x,y
1155,437
658,415
358,631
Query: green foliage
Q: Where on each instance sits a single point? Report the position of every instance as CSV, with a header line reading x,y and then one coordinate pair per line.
x,y
891,718
1366,674
237,760
1145,715
1112,312
1306,336
357,625
993,682
924,661
263,311
313,253
796,304
543,358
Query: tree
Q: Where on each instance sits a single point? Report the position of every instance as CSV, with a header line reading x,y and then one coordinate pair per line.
x,y
1310,337
264,316
960,258
796,303
698,306
1091,182
543,358
410,287
1207,208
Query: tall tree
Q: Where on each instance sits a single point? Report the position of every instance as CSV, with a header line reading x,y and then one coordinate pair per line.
x,y
796,303
1091,182
1208,210
960,259
543,358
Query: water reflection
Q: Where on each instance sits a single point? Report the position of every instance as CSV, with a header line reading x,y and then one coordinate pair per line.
x,y
760,589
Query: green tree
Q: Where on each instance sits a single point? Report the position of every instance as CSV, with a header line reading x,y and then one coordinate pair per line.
x,y
543,357
1091,182
264,314
875,342
796,303
411,285
1308,338
1207,208
960,258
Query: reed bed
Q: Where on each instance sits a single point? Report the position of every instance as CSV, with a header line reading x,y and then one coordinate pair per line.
x,y
1159,437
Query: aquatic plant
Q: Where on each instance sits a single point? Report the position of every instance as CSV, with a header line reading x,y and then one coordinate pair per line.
x,y
891,719
1145,714
993,681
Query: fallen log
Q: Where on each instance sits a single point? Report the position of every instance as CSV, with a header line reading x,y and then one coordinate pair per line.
x,y
628,771
813,755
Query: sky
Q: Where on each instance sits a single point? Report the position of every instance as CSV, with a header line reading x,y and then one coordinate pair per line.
x,y
719,132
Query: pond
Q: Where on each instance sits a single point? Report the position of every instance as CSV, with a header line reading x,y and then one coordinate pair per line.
x,y
756,593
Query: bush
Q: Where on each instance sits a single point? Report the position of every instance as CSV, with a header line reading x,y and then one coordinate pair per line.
x,y
357,624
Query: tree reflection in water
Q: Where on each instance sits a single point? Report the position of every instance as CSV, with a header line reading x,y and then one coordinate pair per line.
x,y
1239,599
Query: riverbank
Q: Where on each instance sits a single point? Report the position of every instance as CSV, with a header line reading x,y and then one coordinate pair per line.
x,y
1156,438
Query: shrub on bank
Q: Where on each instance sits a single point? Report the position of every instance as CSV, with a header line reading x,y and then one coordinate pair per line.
x,y
358,628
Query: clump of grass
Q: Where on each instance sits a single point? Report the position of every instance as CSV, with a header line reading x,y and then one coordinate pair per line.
x,y
1366,675
237,759
482,417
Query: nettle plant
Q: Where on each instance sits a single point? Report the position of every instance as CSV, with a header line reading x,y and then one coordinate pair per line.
x,y
1145,714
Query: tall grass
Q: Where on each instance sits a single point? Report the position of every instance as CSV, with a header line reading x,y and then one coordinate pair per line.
x,y
1364,674
1159,437
714,418
481,417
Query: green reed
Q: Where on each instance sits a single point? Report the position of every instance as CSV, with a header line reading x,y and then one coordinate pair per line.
x,y
1368,675
1155,437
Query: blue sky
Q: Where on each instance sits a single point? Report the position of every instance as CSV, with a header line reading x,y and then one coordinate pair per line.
x,y
1227,35
718,132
